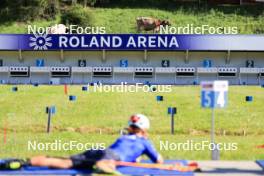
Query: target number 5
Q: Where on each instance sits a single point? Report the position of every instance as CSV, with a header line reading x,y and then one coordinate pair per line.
x,y
208,99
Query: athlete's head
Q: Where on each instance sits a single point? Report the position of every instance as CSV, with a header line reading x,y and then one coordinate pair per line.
x,y
138,123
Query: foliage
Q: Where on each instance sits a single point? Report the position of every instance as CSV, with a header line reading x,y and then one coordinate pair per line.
x,y
29,10
77,15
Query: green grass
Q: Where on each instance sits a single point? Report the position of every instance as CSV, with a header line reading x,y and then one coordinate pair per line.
x,y
13,27
122,20
82,121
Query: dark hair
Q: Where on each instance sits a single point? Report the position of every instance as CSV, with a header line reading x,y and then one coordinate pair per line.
x,y
134,129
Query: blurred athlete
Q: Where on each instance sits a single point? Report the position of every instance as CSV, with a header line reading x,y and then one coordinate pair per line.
x,y
126,148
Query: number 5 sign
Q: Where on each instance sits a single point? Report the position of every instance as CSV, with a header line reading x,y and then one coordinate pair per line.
x,y
214,94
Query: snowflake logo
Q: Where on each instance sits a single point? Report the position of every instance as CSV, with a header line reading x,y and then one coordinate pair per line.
x,y
40,42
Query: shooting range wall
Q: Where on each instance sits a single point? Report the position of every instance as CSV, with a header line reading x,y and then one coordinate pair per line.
x,y
189,60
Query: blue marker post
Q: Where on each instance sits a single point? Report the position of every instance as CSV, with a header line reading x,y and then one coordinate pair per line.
x,y
85,88
35,84
159,98
50,111
214,95
72,98
14,89
172,111
249,98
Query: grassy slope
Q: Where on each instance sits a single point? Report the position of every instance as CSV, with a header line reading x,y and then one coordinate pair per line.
x,y
24,113
122,20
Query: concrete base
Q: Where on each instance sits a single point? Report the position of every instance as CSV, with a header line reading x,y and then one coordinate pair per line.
x,y
232,168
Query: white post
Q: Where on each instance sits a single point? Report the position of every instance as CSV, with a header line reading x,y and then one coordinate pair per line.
x,y
186,60
215,152
175,78
113,75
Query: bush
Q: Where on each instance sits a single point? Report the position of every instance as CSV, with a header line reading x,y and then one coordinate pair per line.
x,y
22,10
77,15
87,2
90,2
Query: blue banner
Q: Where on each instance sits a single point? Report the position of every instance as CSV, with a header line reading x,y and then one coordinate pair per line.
x,y
132,42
